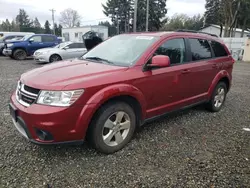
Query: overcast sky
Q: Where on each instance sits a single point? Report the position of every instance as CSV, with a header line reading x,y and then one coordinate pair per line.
x,y
90,10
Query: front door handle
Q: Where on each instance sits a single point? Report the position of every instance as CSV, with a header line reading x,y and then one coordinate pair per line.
x,y
186,71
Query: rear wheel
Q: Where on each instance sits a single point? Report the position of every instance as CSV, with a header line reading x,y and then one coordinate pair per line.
x,y
112,128
218,98
19,54
54,58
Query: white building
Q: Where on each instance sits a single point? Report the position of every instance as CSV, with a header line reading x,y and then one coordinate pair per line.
x,y
74,34
215,29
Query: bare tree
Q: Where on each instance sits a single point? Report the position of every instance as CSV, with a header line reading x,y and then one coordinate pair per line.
x,y
70,18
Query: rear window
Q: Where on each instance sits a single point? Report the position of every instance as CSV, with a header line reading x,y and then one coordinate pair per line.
x,y
200,49
218,49
48,38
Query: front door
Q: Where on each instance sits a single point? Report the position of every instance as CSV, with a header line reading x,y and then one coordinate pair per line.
x,y
35,44
168,87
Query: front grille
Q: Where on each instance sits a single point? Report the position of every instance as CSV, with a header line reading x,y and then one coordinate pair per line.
x,y
31,89
26,95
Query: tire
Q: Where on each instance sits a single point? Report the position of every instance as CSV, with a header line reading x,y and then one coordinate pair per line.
x,y
217,100
105,135
19,54
1,51
54,58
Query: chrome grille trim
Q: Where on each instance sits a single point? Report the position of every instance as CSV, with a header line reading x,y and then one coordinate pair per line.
x,y
20,91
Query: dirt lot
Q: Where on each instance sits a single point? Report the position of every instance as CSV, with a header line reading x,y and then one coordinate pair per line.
x,y
193,148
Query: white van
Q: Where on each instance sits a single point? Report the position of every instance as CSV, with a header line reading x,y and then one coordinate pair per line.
x,y
5,33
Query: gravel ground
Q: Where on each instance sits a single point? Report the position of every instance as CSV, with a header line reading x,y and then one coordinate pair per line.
x,y
193,148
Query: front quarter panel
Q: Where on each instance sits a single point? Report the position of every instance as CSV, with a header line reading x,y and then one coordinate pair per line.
x,y
102,96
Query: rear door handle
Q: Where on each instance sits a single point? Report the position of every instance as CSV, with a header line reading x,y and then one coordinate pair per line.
x,y
185,71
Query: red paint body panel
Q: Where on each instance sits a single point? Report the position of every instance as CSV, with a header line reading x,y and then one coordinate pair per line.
x,y
157,91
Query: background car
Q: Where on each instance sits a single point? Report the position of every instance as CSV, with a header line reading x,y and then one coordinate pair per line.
x,y
66,50
7,38
20,49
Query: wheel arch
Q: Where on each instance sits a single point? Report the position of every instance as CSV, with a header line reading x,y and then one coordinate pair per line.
x,y
19,48
221,76
121,92
55,54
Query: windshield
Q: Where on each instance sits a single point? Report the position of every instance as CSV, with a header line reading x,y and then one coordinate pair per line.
x,y
62,45
121,50
26,37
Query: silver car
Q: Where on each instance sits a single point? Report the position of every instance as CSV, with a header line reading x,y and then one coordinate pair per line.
x,y
65,50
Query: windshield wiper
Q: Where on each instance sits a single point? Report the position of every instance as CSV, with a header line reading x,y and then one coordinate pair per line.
x,y
100,59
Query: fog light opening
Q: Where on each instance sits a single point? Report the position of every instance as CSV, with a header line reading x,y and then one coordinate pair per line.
x,y
43,135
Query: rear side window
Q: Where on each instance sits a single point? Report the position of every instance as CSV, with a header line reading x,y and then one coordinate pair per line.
x,y
73,45
174,49
81,45
48,39
219,49
200,49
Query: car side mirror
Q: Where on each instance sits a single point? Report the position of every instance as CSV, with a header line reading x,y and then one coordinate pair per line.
x,y
31,40
160,61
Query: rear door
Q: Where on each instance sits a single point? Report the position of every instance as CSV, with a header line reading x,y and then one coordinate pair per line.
x,y
49,41
81,49
203,67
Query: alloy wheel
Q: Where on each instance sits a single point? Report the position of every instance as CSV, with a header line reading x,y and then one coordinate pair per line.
x,y
116,128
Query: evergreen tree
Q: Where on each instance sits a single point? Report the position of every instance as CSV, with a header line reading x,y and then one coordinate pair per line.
x,y
22,19
47,27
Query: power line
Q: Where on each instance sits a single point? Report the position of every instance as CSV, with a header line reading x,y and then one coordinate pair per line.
x,y
53,19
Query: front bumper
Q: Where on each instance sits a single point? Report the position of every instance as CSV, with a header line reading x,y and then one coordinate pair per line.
x,y
7,52
41,58
65,125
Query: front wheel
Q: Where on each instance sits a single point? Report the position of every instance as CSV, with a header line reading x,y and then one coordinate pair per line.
x,y
112,128
218,97
54,58
19,54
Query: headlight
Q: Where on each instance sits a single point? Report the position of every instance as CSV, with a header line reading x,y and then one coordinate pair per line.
x,y
59,98
9,45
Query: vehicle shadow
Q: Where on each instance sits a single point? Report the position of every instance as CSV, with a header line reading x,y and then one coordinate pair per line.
x,y
87,151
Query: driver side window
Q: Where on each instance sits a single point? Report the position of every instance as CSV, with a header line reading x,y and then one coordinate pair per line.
x,y
37,38
174,49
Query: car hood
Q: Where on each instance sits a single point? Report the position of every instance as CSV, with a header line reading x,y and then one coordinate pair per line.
x,y
48,49
73,73
13,41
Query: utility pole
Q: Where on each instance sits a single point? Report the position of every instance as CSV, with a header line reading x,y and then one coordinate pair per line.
x,y
135,15
53,20
147,15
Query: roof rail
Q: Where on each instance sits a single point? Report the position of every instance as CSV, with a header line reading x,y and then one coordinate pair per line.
x,y
193,31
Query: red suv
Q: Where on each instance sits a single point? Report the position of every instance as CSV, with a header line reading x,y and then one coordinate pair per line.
x,y
119,85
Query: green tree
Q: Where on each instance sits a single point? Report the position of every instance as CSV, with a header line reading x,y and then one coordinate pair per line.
x,y
6,26
111,28
36,23
22,19
182,21
244,16
59,30
47,27
120,13
157,11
